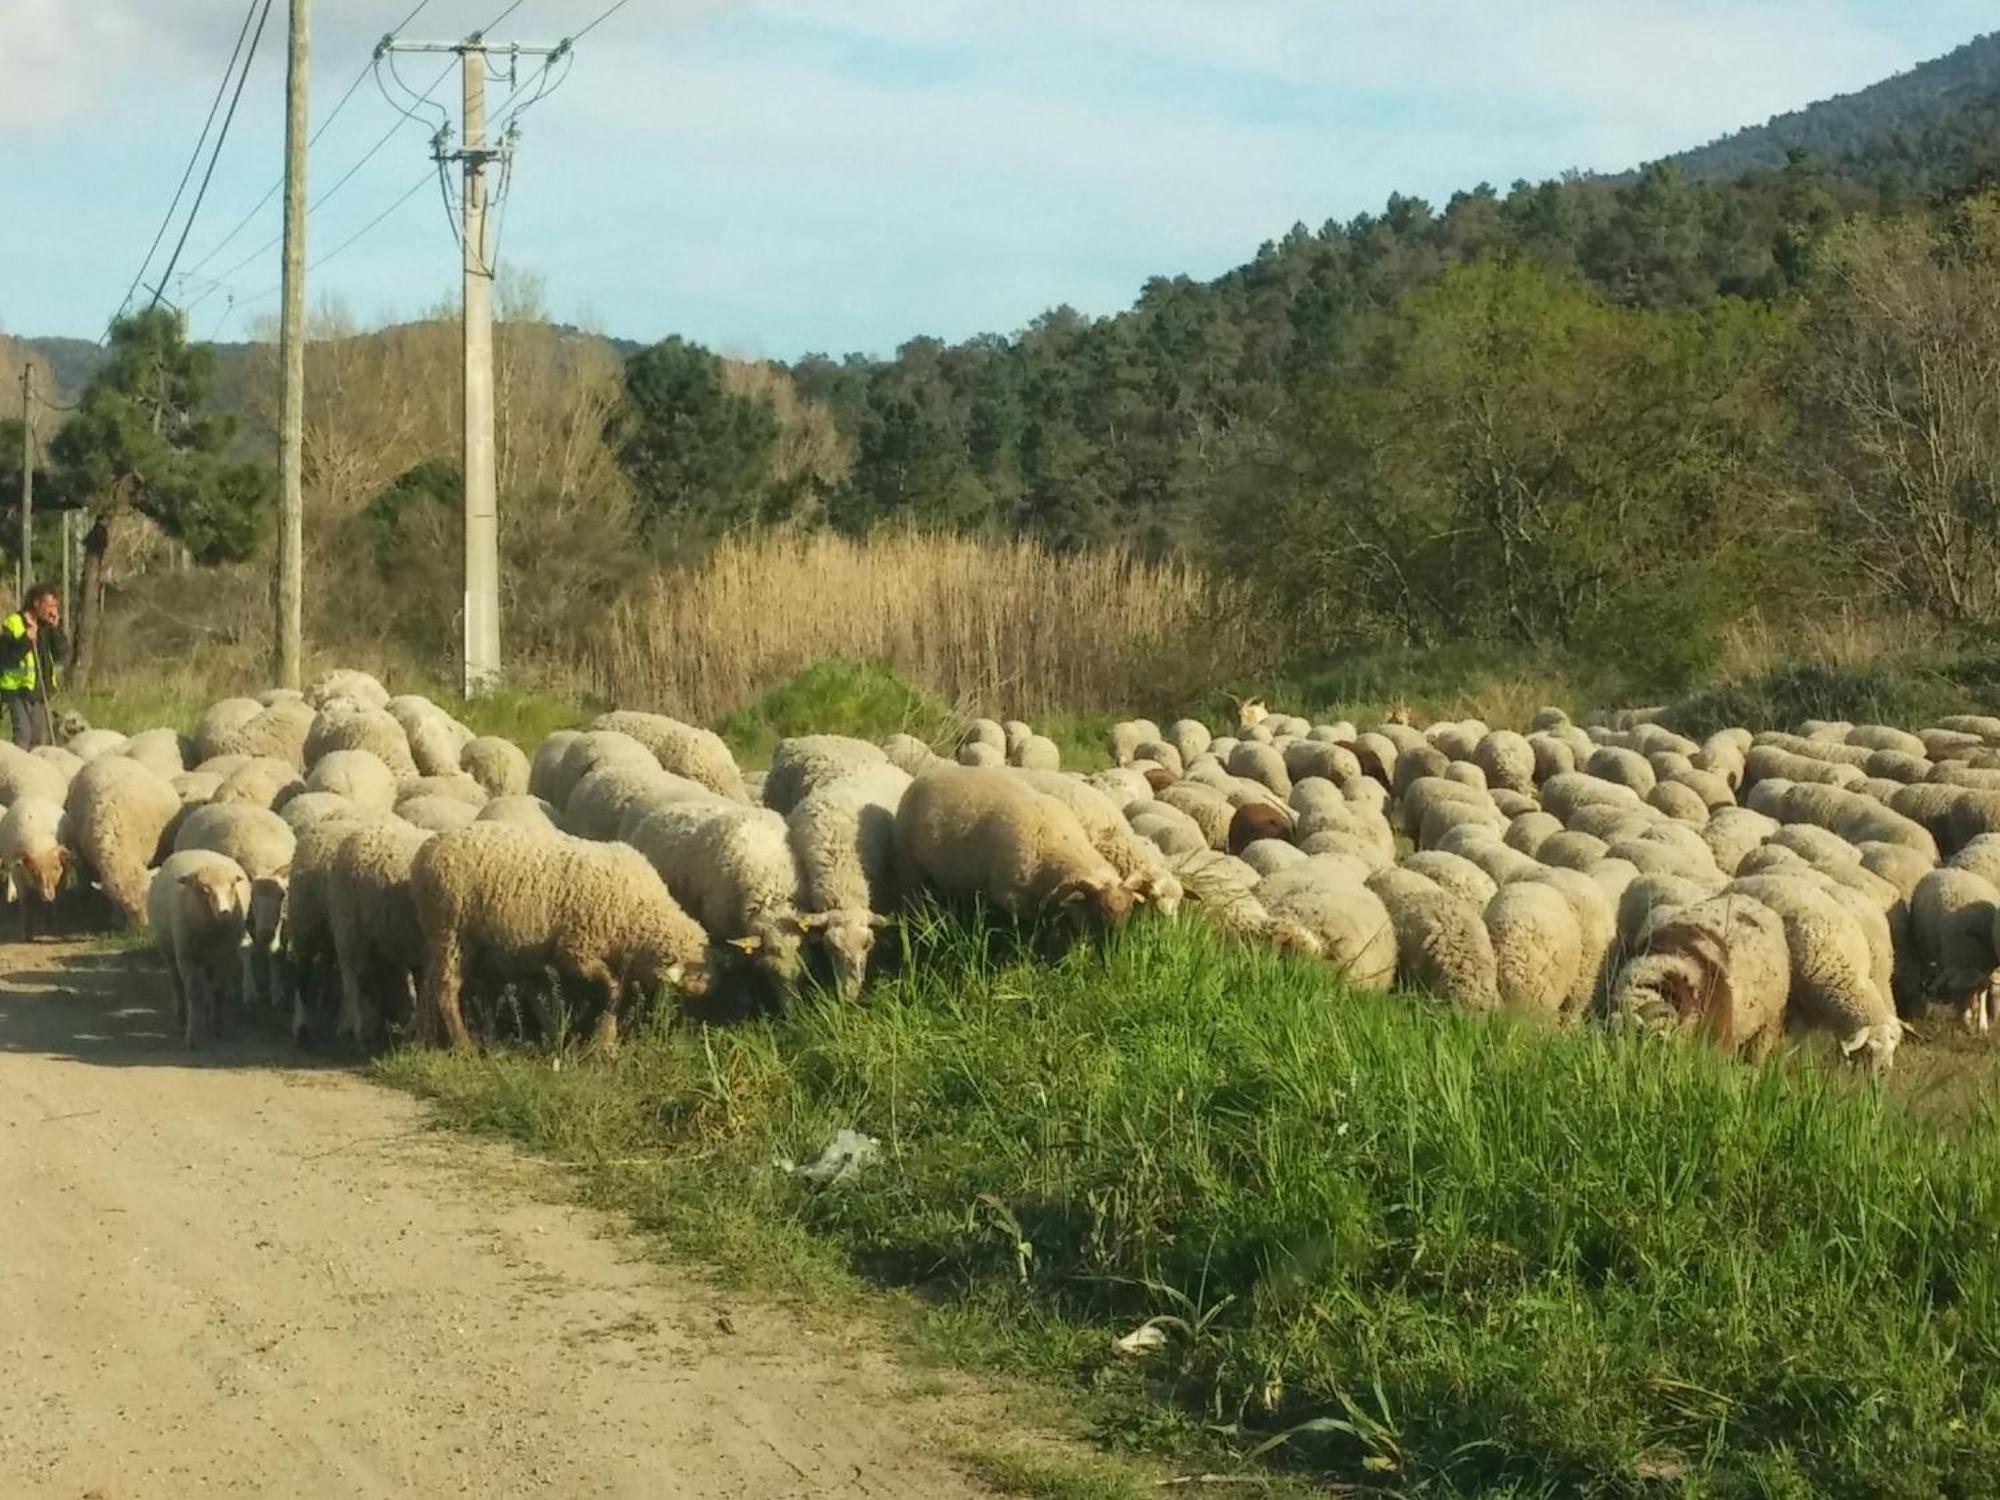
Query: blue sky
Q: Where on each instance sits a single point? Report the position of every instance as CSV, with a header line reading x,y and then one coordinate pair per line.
x,y
778,176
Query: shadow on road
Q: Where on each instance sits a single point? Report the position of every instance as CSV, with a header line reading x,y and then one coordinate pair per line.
x,y
112,1007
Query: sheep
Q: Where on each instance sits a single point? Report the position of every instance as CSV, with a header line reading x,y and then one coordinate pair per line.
x,y
908,753
262,845
1973,813
346,683
1121,784
262,781
496,764
1679,801
1627,768
1815,845
1553,757
698,754
1465,773
119,815
1139,863
1833,969
1662,857
1268,856
589,752
545,766
1122,740
1170,830
67,763
1489,854
1952,916
1507,759
1732,832
1596,913
454,785
1322,759
164,752
278,732
221,767
197,905
437,741
1347,923
371,921
34,856
519,810
1038,753
1453,873
24,775
843,838
979,753
1563,795
1263,764
798,765
1537,947
619,791
1711,787
1720,969
196,788
1531,830
308,808
1767,761
1572,851
1017,733
1189,737
731,868
1513,804
306,953
435,814
988,732
979,832
344,726
1442,946
1647,901
218,725
518,902
1210,810
1417,763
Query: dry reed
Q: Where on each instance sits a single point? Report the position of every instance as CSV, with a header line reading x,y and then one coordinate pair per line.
x,y
1007,625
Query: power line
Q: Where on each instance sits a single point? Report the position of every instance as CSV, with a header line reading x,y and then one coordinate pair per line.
x,y
193,157
216,155
608,14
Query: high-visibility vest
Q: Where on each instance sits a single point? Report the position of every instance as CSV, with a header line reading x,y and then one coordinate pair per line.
x,y
22,677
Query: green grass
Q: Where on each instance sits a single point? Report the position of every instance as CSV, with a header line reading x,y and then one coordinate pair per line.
x,y
1387,1245
862,699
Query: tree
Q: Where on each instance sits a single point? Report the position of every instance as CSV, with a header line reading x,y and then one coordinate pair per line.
x,y
142,442
697,455
1900,390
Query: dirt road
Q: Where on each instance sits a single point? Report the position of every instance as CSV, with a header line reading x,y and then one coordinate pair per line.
x,y
231,1273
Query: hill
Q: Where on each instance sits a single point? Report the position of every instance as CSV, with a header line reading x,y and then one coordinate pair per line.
x,y
1939,118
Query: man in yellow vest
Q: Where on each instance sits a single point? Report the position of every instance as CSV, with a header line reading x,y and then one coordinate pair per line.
x,y
29,640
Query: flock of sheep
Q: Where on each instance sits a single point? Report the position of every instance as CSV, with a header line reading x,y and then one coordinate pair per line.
x,y
367,860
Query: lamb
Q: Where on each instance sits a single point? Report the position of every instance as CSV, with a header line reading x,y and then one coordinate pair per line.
x,y
496,764
196,906
262,845
843,838
698,754
1537,948
119,815
978,832
1952,918
1442,946
731,868
371,922
1833,969
524,902
801,764
34,857
1720,969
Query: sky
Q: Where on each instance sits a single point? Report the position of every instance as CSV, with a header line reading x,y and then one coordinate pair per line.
x,y
773,177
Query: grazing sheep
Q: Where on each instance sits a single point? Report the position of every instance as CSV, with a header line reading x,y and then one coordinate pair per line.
x,y
1834,987
519,903
980,832
372,923
1037,753
1732,832
1507,759
1952,918
1537,948
308,808
356,687
358,775
545,767
1649,899
34,857
843,838
1553,756
1766,762
261,781
346,726
800,764
1268,856
1453,873
1679,801
520,811
1529,831
1170,830
1572,851
1596,912
1719,969
496,764
1189,737
1626,768
278,732
1348,924
988,732
1442,946
698,754
164,752
731,868
1139,863
1122,740
219,723
119,816
26,775
196,905
436,814
979,753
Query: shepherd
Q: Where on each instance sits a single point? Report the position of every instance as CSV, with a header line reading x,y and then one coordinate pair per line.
x,y
30,648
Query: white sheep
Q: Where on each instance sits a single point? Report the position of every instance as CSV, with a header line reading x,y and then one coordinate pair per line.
x,y
262,844
517,902
520,810
1952,915
196,905
358,775
806,761
377,942
843,838
119,817
698,754
1537,948
497,764
731,867
1349,925
1719,969
1834,985
1442,946
34,856
1139,862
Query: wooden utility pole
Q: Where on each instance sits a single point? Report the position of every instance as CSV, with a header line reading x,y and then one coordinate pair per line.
x,y
481,658
24,575
292,361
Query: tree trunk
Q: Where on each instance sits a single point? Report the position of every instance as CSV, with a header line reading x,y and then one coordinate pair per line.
x,y
89,603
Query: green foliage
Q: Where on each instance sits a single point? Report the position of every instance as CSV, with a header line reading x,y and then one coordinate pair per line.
x,y
862,699
697,454
1385,1243
143,437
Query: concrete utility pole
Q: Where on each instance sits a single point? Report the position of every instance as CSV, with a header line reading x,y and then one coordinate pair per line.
x,y
481,657
25,574
292,360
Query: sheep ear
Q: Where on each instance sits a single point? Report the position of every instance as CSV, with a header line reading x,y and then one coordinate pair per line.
x,y
746,944
673,973
1849,1045
878,921
811,921
285,873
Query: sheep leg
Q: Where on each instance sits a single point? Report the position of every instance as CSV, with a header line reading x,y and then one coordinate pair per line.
x,y
604,1037
192,984
444,978
178,985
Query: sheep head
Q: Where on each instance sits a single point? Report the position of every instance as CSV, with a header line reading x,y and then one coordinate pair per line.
x,y
658,966
1873,1047
849,939
267,908
44,872
222,893
1097,899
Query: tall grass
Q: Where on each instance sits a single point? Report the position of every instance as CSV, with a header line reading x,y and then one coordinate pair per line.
x,y
1385,1244
1005,625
